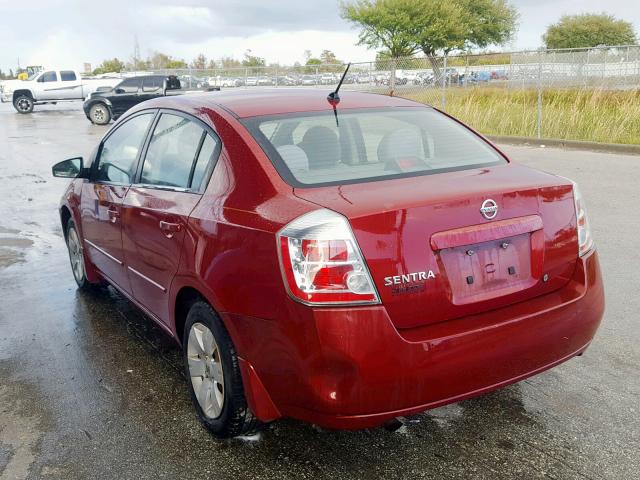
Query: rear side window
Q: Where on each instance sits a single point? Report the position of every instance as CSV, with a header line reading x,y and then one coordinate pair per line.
x,y
151,84
310,149
119,152
48,77
206,157
175,152
131,85
68,76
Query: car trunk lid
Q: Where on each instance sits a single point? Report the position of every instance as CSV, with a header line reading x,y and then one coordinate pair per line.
x,y
432,254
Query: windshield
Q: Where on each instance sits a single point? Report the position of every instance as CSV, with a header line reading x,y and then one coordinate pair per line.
x,y
310,149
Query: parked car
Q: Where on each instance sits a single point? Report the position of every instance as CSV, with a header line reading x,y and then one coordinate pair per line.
x,y
308,80
364,78
285,81
328,79
50,86
193,82
340,286
104,106
230,82
264,81
252,81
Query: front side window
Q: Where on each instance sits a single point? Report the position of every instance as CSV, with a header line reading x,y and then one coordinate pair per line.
x,y
48,77
119,152
172,152
68,76
310,149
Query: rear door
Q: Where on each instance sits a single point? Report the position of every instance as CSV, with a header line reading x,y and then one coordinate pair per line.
x,y
179,158
111,176
151,88
70,85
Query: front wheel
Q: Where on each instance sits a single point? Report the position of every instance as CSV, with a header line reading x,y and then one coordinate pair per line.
x,y
76,257
100,114
213,374
23,104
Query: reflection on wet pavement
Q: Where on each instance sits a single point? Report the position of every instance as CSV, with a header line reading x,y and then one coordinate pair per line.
x,y
89,388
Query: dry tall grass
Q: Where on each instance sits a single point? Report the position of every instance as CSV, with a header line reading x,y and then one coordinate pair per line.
x,y
609,116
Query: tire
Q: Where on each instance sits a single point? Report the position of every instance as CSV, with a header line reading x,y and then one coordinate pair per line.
x,y
99,114
76,257
213,375
23,104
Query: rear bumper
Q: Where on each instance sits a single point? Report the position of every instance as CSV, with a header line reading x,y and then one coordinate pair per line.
x,y
351,368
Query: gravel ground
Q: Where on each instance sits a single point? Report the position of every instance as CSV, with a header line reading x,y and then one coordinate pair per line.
x,y
89,388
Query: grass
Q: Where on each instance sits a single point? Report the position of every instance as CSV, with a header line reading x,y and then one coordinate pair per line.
x,y
597,115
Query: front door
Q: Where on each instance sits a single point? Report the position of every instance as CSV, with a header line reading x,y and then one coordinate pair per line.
x,y
126,95
101,204
50,86
156,209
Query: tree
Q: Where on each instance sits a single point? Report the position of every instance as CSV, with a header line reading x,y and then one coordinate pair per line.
x,y
229,62
174,63
312,65
252,60
200,62
434,27
384,24
328,57
160,60
588,30
107,66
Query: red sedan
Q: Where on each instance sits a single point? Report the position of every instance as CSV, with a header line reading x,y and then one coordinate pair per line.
x,y
343,264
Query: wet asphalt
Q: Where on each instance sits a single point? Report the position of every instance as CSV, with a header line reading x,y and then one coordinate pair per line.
x,y
90,388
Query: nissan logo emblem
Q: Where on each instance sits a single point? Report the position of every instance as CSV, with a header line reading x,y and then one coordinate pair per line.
x,y
489,209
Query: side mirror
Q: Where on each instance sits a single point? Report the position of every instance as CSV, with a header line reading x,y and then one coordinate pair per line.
x,y
71,168
119,90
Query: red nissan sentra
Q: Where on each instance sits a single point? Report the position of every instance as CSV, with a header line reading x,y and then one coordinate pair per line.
x,y
340,266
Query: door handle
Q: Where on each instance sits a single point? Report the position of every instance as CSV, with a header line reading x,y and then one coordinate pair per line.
x,y
114,214
169,228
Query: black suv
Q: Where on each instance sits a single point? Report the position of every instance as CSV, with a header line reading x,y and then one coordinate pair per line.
x,y
103,106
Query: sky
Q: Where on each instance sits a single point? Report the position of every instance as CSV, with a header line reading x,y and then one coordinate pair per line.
x,y
67,33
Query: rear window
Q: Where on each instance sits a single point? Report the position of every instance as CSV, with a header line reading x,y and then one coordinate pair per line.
x,y
312,149
68,76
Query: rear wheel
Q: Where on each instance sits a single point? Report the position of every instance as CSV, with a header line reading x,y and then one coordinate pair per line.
x,y
213,374
100,114
23,104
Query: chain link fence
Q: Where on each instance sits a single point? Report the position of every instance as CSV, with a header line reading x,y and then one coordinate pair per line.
x,y
567,94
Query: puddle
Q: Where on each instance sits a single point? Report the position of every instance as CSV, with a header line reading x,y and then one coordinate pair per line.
x,y
12,249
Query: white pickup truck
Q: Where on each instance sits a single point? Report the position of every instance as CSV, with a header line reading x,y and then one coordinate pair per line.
x,y
51,86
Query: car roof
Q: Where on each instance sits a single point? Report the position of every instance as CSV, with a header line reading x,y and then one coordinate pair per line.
x,y
244,103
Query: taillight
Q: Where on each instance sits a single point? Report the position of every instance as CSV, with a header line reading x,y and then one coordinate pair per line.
x,y
322,263
585,240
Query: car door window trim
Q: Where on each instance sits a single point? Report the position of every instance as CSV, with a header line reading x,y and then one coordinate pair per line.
x,y
96,160
212,161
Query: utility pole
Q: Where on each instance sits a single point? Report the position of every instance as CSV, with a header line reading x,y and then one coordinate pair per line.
x,y
136,52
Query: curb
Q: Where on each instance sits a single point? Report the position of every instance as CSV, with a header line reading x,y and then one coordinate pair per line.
x,y
569,144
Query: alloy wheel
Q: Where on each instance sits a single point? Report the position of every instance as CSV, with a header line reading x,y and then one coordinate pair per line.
x,y
205,370
98,114
75,255
23,105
